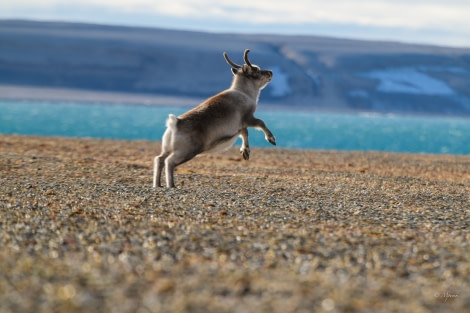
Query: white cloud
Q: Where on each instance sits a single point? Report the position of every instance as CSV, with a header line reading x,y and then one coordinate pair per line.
x,y
389,13
376,12
445,16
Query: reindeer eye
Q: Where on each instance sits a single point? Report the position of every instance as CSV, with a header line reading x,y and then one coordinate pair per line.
x,y
255,71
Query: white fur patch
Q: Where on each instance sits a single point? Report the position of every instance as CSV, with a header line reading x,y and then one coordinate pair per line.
x,y
171,121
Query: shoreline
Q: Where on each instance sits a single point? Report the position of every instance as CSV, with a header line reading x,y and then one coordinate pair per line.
x,y
58,94
73,95
288,230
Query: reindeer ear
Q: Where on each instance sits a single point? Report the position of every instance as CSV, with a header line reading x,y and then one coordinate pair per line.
x,y
235,71
247,68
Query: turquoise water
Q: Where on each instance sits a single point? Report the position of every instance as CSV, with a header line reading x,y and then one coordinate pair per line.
x,y
293,129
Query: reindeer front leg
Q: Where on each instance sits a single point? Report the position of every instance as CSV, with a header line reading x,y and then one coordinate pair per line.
x,y
259,124
245,148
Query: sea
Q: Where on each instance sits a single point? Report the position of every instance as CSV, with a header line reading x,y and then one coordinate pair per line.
x,y
294,129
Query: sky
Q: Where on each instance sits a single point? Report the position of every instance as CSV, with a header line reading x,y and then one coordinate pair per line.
x,y
435,22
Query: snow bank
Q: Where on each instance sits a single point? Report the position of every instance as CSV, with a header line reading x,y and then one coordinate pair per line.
x,y
279,85
410,81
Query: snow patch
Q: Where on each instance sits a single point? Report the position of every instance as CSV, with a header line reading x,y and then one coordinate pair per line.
x,y
279,85
410,81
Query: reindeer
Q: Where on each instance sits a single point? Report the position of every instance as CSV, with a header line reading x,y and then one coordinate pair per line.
x,y
215,124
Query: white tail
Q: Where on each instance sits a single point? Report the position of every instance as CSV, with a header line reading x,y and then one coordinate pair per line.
x,y
216,123
171,121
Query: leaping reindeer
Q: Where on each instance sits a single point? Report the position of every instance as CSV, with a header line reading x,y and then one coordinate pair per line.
x,y
215,124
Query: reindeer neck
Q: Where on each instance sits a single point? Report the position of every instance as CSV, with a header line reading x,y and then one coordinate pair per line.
x,y
246,86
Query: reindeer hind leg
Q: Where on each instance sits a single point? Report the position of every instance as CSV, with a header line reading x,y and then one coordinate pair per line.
x,y
159,160
175,159
158,167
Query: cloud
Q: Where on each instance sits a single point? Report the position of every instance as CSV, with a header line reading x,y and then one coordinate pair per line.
x,y
386,13
445,16
366,12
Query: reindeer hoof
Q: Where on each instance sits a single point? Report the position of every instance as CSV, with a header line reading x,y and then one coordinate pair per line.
x,y
245,153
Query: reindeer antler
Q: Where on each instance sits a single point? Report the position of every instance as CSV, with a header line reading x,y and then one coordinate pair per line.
x,y
245,57
230,62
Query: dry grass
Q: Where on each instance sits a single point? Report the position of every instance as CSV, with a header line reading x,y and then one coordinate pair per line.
x,y
81,230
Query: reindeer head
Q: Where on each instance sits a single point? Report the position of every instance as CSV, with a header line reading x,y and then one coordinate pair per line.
x,y
250,71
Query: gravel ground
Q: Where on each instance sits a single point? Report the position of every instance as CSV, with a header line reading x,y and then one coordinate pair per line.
x,y
81,230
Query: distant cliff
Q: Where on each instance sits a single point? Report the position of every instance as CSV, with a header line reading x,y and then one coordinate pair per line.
x,y
315,72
